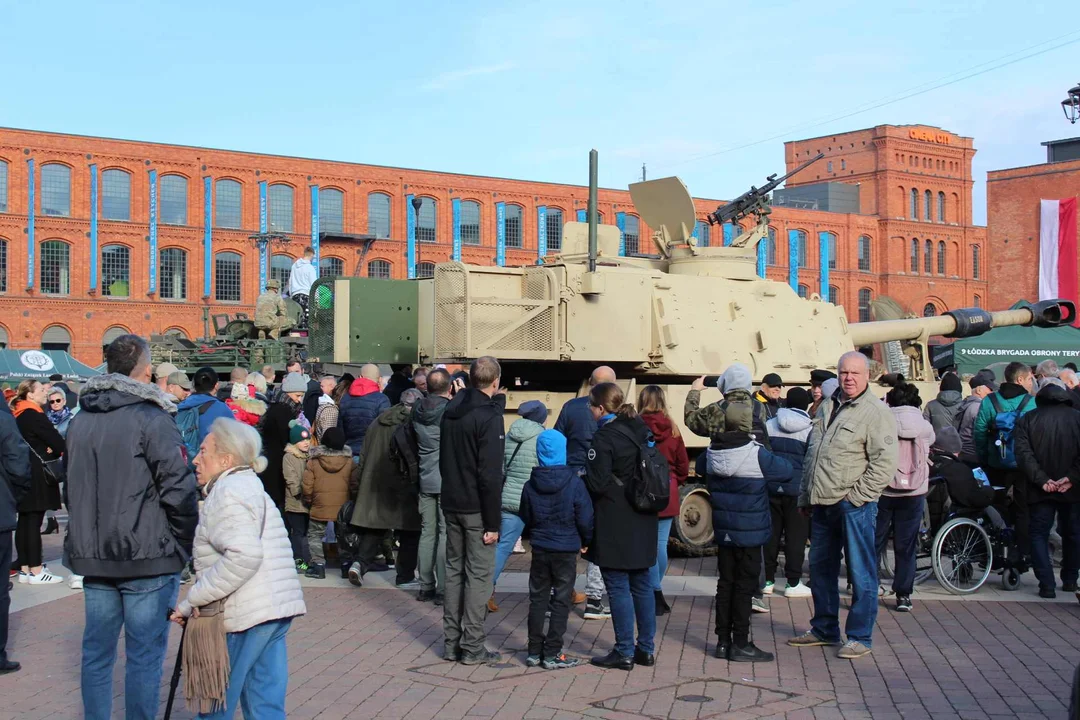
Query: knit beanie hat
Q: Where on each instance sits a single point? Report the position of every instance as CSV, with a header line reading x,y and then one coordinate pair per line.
x,y
298,433
948,441
950,381
294,382
551,448
798,398
533,410
736,377
334,438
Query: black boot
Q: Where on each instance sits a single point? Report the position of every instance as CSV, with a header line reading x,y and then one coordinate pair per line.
x,y
662,608
644,659
51,527
748,653
723,645
614,661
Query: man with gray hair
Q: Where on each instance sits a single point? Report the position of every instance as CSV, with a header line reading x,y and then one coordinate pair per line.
x,y
133,508
1046,369
851,457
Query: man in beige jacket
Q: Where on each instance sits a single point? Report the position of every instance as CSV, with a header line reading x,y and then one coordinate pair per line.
x,y
851,457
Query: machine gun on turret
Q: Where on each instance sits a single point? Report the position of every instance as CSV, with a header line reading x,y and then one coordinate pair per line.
x,y
754,201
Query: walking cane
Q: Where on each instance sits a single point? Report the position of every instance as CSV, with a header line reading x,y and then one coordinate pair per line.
x,y
175,682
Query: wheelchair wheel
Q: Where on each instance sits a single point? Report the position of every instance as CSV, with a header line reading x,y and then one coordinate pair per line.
x,y
1010,579
962,556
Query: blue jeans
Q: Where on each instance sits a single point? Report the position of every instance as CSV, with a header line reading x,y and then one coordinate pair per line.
x,y
903,515
631,595
1041,519
141,606
258,672
656,575
836,528
509,533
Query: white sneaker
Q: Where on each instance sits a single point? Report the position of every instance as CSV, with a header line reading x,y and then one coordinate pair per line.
x,y
768,589
798,590
43,578
24,577
75,582
518,547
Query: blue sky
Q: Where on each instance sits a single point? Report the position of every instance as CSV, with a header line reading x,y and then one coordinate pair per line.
x,y
525,89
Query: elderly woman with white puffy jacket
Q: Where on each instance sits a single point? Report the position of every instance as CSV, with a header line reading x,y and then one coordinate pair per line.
x,y
245,575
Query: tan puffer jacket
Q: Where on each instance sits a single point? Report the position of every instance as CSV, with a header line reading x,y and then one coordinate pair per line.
x,y
292,467
242,553
326,481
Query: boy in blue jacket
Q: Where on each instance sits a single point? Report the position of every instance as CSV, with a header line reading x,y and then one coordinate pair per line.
x,y
558,511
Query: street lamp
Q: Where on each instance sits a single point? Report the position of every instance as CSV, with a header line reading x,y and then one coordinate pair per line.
x,y
1071,105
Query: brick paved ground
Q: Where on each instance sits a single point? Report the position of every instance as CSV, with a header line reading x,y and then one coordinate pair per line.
x,y
374,653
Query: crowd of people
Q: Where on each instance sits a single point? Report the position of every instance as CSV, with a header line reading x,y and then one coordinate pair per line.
x,y
238,487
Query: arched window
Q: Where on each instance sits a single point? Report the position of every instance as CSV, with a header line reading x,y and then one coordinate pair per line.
x,y
115,195
177,332
331,267
701,232
830,247
865,296
941,257
3,186
975,262
914,255
928,205
172,274
280,269
378,218
378,269
800,249
470,222
554,229
632,235
834,295
425,221
804,292
513,226
55,190
56,338
227,195
227,277
864,253
770,252
928,257
929,310
115,271
173,200
111,334
331,210
55,267
941,207
3,338
978,301
425,270
279,208
914,210
3,266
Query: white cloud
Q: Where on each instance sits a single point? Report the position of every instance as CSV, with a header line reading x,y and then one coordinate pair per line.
x,y
452,78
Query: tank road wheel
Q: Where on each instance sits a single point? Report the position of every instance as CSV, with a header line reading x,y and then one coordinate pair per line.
x,y
691,529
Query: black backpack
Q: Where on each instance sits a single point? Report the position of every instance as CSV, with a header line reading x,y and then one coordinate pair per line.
x,y
649,490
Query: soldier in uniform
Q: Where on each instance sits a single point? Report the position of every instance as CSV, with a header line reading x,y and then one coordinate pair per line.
x,y
271,315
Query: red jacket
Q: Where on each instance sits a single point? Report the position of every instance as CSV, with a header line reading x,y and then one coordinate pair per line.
x,y
673,449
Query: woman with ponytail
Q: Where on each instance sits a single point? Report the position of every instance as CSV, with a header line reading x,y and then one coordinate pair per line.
x,y
624,540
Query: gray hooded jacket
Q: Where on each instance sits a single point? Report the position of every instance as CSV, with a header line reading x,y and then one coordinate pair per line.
x,y
426,416
943,410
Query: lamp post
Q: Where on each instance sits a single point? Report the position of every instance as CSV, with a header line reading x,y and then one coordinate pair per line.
x,y
1071,105
416,203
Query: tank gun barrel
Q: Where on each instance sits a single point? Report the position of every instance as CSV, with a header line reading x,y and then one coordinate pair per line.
x,y
967,322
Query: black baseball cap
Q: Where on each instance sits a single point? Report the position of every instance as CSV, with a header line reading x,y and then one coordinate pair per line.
x,y
772,380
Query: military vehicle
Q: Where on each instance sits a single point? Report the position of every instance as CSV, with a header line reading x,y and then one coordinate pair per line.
x,y
666,317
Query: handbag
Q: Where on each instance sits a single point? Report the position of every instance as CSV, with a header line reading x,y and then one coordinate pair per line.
x,y
54,469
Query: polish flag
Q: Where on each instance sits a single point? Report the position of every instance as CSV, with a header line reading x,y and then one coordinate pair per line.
x,y
1057,250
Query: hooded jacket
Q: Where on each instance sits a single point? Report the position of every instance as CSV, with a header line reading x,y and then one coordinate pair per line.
x,y
293,463
471,456
788,433
326,481
739,473
45,444
965,424
674,451
217,409
520,439
358,409
556,508
914,435
944,410
1009,397
578,425
245,407
1047,445
708,421
14,469
301,276
385,499
132,501
427,417
772,405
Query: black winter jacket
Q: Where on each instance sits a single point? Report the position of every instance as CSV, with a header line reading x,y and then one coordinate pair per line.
x,y
556,508
133,504
623,538
471,456
44,440
14,469
1047,445
275,436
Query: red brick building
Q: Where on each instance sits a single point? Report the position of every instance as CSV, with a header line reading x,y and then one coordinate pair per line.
x,y
99,237
1012,214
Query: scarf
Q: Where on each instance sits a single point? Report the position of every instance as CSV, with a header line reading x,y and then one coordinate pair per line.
x,y
22,406
56,417
605,420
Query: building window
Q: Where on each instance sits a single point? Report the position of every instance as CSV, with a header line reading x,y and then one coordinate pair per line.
x,y
800,249
843,164
227,204
174,200
804,292
3,266
928,205
914,255
828,167
55,267
331,210
834,295
978,301
378,269
513,226
172,270
701,232
227,277
378,218
470,223
331,267
115,271
3,186
975,262
864,304
632,235
111,334
425,270
116,195
914,210
56,338
55,190
280,269
929,310
864,253
941,207
554,229
941,257
928,258
830,247
425,221
279,208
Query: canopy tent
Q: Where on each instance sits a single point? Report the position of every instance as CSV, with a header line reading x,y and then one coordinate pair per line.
x,y
1029,345
17,365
